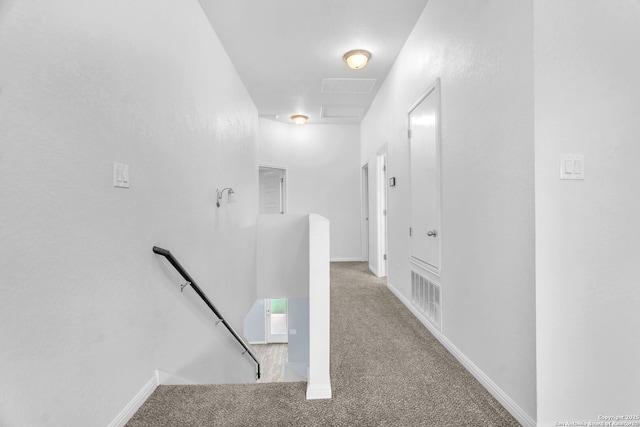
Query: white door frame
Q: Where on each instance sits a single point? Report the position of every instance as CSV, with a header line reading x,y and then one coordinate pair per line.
x,y
365,212
381,211
285,196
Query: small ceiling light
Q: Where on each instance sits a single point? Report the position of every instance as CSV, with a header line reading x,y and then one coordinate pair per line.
x,y
357,59
299,119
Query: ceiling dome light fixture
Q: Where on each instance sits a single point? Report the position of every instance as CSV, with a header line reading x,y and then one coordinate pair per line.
x,y
299,119
357,59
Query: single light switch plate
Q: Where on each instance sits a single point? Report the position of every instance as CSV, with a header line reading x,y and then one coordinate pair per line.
x,y
293,331
120,175
572,166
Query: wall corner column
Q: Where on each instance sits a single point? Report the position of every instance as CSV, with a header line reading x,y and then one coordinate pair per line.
x,y
319,380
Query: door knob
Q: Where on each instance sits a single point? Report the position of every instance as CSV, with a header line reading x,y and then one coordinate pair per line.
x,y
432,233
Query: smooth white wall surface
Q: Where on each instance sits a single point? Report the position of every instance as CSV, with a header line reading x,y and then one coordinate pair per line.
x,y
254,328
587,94
323,176
483,53
282,251
87,311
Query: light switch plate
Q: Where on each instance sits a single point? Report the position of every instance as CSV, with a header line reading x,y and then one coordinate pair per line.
x,y
120,175
572,166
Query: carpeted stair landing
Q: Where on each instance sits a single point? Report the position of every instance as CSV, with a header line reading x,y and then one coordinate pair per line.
x,y
386,370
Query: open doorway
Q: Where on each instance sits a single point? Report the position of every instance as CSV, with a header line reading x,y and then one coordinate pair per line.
x,y
365,213
266,327
272,190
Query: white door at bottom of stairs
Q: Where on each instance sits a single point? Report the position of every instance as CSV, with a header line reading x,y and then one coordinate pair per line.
x,y
277,323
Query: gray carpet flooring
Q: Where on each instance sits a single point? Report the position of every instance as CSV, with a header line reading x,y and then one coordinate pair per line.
x,y
386,370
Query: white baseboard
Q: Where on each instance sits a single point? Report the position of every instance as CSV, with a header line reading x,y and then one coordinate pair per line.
x,y
511,406
348,259
319,391
166,378
125,415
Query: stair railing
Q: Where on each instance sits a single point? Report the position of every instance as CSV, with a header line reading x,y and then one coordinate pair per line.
x,y
190,282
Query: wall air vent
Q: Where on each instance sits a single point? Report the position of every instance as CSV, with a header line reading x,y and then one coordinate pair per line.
x,y
351,86
425,296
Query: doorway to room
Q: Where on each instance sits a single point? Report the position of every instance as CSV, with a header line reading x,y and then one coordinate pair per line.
x,y
365,213
272,190
266,327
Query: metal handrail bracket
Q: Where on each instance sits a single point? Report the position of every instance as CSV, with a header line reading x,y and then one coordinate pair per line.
x,y
190,282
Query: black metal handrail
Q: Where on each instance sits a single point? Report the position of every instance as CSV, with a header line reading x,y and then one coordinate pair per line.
x,y
169,256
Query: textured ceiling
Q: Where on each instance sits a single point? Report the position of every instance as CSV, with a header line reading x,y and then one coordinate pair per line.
x,y
283,49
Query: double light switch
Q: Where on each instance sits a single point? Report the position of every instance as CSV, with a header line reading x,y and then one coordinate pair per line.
x,y
572,166
120,175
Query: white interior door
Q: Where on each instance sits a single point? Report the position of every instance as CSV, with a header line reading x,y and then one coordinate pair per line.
x,y
276,320
424,131
271,190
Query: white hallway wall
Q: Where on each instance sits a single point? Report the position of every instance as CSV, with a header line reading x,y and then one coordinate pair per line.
x,y
482,51
87,311
587,64
322,164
